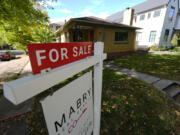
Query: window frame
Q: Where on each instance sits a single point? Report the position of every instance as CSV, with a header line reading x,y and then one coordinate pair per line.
x,y
103,34
152,38
166,35
57,27
66,36
149,15
139,36
77,35
121,41
172,9
142,17
135,19
157,13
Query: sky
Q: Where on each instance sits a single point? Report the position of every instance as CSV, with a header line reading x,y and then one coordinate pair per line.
x,y
66,9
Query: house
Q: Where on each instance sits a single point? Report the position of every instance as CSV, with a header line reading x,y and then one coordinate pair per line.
x,y
159,20
117,37
55,26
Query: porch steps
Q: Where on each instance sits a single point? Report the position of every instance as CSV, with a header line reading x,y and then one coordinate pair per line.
x,y
172,90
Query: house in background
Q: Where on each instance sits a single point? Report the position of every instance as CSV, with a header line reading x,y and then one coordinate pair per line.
x,y
54,27
159,20
117,38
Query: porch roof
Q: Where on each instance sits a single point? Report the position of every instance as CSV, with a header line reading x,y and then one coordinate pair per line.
x,y
94,21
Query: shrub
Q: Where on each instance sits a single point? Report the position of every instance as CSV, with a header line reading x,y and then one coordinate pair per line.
x,y
174,40
176,49
163,48
154,47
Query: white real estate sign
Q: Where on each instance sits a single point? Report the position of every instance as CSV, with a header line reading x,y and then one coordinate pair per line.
x,y
69,111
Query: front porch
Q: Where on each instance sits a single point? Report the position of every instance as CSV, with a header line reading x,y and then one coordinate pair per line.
x,y
79,33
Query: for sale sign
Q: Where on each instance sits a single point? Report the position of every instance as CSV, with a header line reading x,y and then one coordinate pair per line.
x,y
52,55
69,111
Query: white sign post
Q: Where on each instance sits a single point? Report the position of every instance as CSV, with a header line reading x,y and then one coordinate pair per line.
x,y
98,87
23,89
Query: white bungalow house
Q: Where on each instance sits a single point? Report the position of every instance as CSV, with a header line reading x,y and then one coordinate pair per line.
x,y
159,20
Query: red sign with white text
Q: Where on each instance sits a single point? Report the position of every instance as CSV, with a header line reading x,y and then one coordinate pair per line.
x,y
51,55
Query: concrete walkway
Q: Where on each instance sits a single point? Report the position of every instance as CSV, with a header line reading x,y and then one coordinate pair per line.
x,y
161,52
141,76
170,87
11,67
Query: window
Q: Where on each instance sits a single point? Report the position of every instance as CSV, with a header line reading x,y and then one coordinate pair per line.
x,y
121,36
66,37
135,18
149,15
157,13
103,34
57,27
77,36
142,17
171,13
138,36
166,35
152,36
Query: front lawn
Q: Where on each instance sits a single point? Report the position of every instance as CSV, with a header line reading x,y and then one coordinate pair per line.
x,y
165,66
132,107
129,107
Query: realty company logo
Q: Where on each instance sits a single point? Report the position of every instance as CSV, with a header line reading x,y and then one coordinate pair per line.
x,y
76,121
75,115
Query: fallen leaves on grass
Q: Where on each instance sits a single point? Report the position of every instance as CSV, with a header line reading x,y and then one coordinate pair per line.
x,y
132,107
165,66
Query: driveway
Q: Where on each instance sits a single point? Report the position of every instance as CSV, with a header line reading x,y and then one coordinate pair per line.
x,y
13,66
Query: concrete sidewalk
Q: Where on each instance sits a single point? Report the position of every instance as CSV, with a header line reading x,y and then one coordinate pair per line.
x,y
141,76
11,67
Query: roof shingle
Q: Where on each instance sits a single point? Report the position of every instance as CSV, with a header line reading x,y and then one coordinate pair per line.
x,y
145,6
97,21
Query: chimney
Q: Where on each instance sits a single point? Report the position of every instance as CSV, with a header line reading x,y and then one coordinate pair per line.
x,y
128,16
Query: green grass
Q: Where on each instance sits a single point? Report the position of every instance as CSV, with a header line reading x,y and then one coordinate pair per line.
x,y
165,66
129,107
132,107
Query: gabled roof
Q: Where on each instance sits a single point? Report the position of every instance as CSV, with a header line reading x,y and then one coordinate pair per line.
x,y
57,23
91,20
145,6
